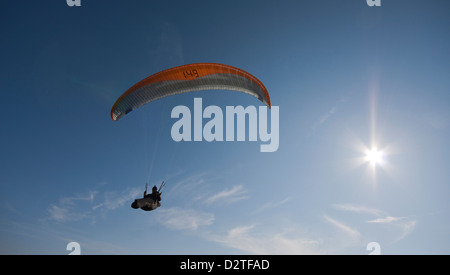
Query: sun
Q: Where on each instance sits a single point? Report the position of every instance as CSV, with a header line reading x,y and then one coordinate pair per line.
x,y
374,156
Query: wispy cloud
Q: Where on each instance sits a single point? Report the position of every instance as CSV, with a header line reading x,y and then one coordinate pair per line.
x,y
113,200
234,194
351,232
243,238
358,209
184,219
406,227
84,206
64,213
329,113
404,224
186,185
388,219
67,209
273,204
89,197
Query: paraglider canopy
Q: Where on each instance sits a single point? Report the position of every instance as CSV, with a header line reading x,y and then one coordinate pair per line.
x,y
188,78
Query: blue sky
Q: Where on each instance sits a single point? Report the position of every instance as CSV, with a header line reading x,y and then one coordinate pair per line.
x,y
346,77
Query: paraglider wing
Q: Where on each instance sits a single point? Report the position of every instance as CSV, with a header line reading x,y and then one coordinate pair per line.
x,y
188,78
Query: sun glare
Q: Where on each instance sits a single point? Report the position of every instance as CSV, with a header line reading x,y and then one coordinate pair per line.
x,y
374,156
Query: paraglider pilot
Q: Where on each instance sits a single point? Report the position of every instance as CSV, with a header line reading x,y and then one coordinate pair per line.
x,y
150,201
155,195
